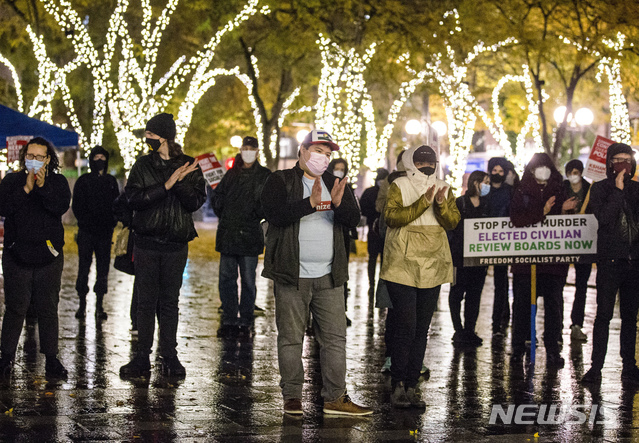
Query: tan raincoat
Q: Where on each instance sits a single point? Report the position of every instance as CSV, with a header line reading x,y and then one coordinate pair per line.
x,y
416,251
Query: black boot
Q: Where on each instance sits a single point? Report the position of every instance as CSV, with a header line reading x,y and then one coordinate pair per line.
x,y
6,364
140,366
82,309
171,367
99,311
54,369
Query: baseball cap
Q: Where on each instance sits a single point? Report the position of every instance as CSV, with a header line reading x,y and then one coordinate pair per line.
x,y
319,136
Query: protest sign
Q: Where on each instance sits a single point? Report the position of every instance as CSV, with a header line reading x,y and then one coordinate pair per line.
x,y
14,144
557,239
595,168
211,168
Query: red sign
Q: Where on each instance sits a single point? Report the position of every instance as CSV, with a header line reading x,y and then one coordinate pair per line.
x,y
211,168
596,165
14,144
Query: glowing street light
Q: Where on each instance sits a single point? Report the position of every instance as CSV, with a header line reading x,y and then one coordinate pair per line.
x,y
413,127
584,117
440,127
236,141
301,134
559,114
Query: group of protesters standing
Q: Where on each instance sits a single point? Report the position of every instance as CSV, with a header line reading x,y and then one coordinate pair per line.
x,y
304,216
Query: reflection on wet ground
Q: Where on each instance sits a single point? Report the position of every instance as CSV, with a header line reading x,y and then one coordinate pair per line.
x,y
231,390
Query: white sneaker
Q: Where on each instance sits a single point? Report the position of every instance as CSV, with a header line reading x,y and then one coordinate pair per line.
x,y
577,334
387,365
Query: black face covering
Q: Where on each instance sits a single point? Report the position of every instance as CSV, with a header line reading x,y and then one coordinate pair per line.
x,y
154,143
98,165
427,170
497,178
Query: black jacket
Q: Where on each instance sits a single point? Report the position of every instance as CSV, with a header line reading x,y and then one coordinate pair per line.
x,y
36,217
236,202
162,219
617,212
93,197
498,200
527,207
585,186
284,206
367,203
456,236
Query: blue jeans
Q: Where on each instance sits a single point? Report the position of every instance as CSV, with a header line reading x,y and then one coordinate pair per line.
x,y
326,303
228,289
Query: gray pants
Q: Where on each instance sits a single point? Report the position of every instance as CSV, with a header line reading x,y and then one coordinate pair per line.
x,y
292,306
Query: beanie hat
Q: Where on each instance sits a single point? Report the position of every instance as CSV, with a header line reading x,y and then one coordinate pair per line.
x,y
162,125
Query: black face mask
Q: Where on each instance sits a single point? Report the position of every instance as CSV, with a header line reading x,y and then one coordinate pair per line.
x,y
98,165
497,178
427,170
154,143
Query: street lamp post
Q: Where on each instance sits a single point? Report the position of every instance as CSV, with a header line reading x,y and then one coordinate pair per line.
x,y
582,118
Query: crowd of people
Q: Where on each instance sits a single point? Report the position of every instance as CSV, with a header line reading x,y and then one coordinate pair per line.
x,y
304,220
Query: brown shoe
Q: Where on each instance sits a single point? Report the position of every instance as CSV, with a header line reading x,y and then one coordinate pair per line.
x,y
344,406
293,406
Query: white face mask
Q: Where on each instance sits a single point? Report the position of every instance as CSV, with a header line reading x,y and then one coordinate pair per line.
x,y
248,155
338,174
542,173
574,179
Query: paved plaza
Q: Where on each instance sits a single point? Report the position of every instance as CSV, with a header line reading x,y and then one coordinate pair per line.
x,y
231,391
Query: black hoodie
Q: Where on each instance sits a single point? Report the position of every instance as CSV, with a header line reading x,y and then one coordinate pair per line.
x,y
617,211
93,196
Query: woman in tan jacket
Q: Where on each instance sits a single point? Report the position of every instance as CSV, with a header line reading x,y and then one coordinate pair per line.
x,y
417,261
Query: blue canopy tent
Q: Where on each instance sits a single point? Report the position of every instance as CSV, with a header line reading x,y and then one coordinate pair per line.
x,y
15,123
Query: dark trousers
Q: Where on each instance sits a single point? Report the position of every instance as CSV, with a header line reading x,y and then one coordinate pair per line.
x,y
613,276
469,283
87,245
501,305
550,287
159,278
229,265
412,312
23,285
389,331
582,274
375,247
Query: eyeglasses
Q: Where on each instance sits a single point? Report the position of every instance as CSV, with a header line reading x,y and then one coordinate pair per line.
x,y
621,160
40,158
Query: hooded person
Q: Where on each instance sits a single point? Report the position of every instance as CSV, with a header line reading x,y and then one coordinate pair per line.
x,y
541,193
92,204
498,205
615,203
417,261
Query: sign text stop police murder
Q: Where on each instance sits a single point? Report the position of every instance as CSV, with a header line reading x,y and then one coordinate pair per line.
x,y
557,239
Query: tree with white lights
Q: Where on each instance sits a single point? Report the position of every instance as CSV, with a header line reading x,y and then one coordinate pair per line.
x,y
135,95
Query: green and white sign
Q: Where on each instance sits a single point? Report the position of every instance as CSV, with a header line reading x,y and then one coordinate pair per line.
x,y
558,239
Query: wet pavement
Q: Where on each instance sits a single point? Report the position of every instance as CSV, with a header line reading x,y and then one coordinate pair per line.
x,y
231,391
